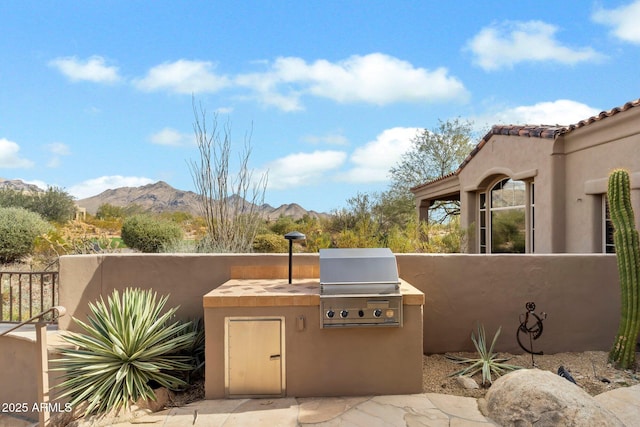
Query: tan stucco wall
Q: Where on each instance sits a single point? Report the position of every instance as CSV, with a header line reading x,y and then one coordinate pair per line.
x,y
579,292
19,370
329,362
185,277
592,153
518,158
570,174
18,360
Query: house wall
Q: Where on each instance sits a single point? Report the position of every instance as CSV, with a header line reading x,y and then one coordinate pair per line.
x,y
517,158
579,292
591,153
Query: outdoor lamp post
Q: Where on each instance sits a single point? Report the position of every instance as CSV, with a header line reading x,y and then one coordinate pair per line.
x,y
294,235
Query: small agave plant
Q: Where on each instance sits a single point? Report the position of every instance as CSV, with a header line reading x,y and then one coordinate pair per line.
x,y
128,345
488,363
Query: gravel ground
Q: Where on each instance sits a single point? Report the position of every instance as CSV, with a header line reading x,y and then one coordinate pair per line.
x,y
590,369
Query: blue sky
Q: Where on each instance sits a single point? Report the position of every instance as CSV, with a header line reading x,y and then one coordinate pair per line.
x,y
98,94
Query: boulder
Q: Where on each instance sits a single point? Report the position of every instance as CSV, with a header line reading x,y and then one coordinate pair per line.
x,y
529,397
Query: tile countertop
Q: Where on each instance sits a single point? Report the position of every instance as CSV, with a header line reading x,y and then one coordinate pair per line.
x,y
277,292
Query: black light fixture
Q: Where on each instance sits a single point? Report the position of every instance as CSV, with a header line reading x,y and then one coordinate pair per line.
x,y
294,235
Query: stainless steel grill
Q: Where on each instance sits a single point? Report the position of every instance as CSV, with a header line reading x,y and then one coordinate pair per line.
x,y
359,287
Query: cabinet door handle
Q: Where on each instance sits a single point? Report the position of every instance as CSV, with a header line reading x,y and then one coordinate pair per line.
x,y
274,357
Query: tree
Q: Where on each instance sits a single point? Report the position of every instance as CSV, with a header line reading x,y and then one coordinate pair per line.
x,y
229,205
54,204
19,229
434,153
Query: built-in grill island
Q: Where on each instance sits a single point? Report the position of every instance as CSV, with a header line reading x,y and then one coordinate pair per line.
x,y
359,288
347,325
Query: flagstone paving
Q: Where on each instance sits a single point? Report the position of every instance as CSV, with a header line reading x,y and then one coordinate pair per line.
x,y
416,410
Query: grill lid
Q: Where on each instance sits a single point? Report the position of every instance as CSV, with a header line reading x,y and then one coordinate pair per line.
x,y
359,270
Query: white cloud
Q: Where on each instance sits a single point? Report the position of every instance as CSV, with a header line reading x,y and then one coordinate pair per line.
x,y
224,110
373,160
330,139
183,76
375,78
623,19
10,156
301,169
93,187
171,137
561,112
40,184
93,69
509,43
57,149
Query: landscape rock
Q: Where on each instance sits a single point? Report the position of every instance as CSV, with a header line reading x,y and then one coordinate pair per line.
x,y
467,382
529,397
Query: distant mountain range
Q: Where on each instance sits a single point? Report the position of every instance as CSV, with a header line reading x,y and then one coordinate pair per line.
x,y
16,184
161,197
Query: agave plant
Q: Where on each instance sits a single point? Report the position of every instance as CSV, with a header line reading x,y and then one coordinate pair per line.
x,y
128,345
488,363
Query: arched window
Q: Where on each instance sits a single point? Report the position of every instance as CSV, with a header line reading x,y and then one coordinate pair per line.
x,y
508,212
503,220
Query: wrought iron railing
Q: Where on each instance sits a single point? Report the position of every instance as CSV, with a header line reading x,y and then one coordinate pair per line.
x,y
24,294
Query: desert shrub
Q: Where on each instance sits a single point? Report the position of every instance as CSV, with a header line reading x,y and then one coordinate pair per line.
x,y
148,234
108,211
270,243
19,229
283,225
54,204
130,343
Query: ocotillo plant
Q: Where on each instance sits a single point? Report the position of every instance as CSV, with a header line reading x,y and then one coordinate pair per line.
x,y
625,238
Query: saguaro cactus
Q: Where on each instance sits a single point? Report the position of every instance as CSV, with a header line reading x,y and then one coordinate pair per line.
x,y
625,238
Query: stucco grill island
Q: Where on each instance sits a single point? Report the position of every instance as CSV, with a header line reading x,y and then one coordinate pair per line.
x,y
268,338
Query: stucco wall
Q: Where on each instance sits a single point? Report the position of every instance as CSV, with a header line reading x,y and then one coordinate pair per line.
x,y
19,374
329,362
591,154
580,293
18,360
518,158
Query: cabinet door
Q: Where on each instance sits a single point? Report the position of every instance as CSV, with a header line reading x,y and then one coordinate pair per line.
x,y
254,357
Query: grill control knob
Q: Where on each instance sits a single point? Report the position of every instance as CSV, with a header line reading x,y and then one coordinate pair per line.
x,y
330,314
377,312
344,313
361,313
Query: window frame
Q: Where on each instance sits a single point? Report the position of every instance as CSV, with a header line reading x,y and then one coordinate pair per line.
x,y
485,219
608,244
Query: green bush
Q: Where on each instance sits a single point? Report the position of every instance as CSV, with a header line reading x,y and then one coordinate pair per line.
x,y
270,243
148,234
128,347
19,229
54,204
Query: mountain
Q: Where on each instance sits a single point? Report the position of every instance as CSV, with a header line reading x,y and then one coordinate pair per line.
x,y
18,185
161,197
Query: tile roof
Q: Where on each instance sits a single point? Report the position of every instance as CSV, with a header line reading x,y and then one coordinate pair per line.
x,y
533,131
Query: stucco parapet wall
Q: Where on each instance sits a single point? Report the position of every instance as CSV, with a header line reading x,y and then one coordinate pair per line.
x,y
271,293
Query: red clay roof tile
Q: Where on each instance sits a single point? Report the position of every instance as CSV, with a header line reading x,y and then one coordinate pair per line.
x,y
533,131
